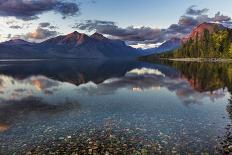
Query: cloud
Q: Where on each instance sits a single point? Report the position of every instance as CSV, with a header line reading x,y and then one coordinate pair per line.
x,y
30,9
9,36
53,27
148,35
41,34
187,21
67,9
127,34
144,46
221,18
45,24
9,22
15,27
195,12
43,31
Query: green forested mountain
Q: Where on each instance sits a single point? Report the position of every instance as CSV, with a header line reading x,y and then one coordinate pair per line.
x,y
206,41
215,45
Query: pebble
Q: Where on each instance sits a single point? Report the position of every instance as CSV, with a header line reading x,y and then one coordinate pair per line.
x,y
230,148
61,138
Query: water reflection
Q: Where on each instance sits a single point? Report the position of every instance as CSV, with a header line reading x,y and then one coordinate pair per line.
x,y
205,76
166,106
3,127
76,71
141,79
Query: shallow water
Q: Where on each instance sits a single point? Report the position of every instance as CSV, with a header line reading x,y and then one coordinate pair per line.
x,y
122,106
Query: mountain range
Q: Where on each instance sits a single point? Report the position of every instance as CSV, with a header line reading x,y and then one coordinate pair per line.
x,y
73,45
167,46
80,45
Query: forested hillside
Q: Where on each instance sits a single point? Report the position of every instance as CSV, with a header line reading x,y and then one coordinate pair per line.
x,y
217,44
208,40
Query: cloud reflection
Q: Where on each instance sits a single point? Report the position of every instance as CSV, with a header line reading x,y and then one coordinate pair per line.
x,y
153,78
4,127
148,79
144,71
12,88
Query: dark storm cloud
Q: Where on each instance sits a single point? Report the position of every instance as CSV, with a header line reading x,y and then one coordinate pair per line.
x,y
30,9
195,12
132,35
15,27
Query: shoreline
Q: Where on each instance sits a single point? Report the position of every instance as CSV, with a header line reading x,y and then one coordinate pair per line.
x,y
199,59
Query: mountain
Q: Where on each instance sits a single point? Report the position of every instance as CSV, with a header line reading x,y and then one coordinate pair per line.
x,y
18,49
16,42
200,29
73,45
208,40
168,45
98,36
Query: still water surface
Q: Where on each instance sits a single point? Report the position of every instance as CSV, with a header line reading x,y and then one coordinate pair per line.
x,y
115,107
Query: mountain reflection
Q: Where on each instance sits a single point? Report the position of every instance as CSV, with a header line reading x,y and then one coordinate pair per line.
x,y
153,80
75,72
187,80
191,82
47,99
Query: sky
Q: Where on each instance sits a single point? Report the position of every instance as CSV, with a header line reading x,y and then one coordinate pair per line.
x,y
140,23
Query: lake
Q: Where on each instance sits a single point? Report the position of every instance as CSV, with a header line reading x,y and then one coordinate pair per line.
x,y
114,107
